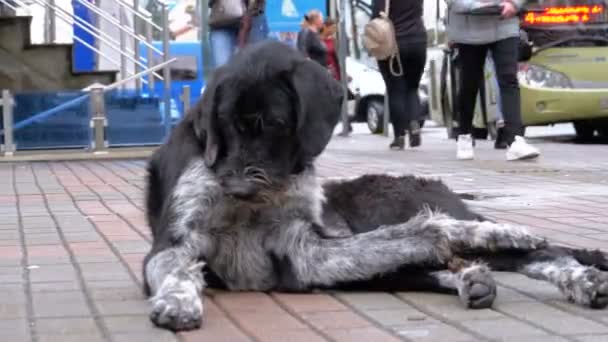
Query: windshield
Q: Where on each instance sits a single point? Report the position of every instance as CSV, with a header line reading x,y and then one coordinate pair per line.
x,y
550,21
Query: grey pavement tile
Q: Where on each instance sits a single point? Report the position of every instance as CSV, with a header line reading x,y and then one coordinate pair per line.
x,y
66,326
503,329
104,271
122,307
61,286
129,324
373,300
53,273
424,332
447,306
592,338
72,338
153,336
397,317
14,330
60,304
553,319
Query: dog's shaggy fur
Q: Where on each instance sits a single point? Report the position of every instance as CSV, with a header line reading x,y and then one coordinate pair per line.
x,y
233,202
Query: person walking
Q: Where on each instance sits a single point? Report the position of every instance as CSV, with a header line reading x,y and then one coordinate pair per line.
x,y
226,36
402,89
328,36
309,41
474,35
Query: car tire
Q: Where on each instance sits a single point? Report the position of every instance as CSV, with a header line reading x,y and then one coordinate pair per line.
x,y
584,129
374,116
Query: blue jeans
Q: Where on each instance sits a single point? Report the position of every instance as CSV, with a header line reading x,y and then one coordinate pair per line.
x,y
223,43
259,29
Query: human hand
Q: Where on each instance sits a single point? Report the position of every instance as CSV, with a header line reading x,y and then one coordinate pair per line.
x,y
508,9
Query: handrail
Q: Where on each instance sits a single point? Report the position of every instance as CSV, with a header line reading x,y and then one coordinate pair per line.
x,y
55,110
10,5
139,74
61,13
140,13
116,23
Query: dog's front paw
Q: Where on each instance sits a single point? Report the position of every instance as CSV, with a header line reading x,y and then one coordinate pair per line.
x,y
477,288
177,310
590,288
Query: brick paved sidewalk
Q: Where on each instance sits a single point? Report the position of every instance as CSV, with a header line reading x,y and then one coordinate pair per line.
x,y
73,235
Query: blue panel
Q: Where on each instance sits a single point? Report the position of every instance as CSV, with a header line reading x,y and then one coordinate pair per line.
x,y
67,128
83,57
133,120
285,16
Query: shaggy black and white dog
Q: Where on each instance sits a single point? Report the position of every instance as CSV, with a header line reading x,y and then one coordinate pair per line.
x,y
233,202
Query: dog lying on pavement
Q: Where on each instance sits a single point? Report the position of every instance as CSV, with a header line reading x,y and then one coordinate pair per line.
x,y
233,202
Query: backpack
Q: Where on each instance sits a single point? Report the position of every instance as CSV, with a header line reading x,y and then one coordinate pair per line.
x,y
380,41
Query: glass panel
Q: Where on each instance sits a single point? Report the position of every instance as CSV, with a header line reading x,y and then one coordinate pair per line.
x,y
133,120
48,120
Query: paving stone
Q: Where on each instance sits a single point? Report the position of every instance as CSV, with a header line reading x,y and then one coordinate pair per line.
x,y
14,330
594,338
397,317
553,319
447,306
52,273
364,301
432,331
150,336
71,338
60,304
66,326
361,335
122,307
504,329
310,302
335,320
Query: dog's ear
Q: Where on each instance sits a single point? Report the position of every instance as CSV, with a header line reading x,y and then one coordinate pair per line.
x,y
205,119
319,106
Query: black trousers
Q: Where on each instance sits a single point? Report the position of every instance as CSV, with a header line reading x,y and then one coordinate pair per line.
x,y
472,59
404,103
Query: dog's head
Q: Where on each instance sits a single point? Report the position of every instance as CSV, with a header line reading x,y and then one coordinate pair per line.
x,y
264,117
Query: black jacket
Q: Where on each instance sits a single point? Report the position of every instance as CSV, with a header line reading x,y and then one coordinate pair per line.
x,y
407,18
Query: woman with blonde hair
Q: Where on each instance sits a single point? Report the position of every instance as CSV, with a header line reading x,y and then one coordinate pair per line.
x,y
309,41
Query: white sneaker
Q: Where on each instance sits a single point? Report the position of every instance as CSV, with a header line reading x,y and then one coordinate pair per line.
x,y
520,149
464,147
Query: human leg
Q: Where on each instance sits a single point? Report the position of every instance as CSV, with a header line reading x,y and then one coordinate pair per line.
x,y
223,43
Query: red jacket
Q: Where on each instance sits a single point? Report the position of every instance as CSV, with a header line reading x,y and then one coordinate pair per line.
x,y
332,57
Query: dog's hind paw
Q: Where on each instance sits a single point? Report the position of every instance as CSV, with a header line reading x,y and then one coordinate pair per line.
x,y
590,288
477,288
177,310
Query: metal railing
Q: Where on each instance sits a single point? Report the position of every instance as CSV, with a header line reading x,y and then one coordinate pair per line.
x,y
98,117
127,55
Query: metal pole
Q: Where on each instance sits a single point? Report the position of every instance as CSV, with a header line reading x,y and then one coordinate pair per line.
x,y
7,119
166,68
150,55
207,62
136,51
49,18
386,115
98,120
123,44
342,52
186,98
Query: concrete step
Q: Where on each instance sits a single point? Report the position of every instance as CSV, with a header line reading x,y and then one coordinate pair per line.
x,y
39,67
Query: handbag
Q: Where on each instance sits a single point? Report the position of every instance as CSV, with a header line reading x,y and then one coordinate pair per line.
x,y
477,7
226,12
380,41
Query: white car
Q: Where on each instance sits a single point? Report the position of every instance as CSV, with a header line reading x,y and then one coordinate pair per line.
x,y
367,90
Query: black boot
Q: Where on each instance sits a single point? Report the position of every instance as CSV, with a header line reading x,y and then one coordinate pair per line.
x,y
398,143
414,132
501,142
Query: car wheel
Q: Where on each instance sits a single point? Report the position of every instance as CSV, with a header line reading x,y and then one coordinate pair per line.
x,y
374,112
584,129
